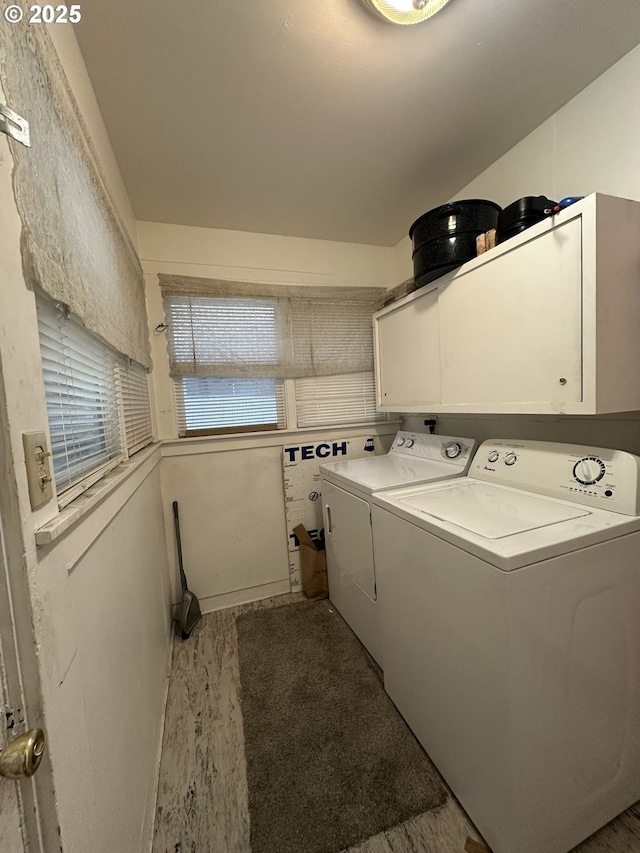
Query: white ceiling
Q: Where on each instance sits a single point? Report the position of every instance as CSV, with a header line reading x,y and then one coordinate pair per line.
x,y
313,118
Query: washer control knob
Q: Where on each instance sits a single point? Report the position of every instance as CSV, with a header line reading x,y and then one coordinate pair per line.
x,y
589,470
493,456
410,442
453,450
400,441
510,459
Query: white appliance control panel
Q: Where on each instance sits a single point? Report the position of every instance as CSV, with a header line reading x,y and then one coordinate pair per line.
x,y
597,477
442,448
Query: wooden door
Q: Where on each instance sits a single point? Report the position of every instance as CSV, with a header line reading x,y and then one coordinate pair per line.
x,y
28,818
10,832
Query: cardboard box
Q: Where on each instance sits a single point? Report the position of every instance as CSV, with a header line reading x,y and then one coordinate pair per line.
x,y
313,564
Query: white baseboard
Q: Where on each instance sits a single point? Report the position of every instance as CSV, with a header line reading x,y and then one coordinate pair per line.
x,y
243,596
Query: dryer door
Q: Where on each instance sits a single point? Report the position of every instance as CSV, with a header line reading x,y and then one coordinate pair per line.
x,y
348,536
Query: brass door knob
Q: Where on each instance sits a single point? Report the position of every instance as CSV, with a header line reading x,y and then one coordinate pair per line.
x,y
22,757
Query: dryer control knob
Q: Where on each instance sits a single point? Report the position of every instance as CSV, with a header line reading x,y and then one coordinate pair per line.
x,y
589,470
493,456
410,442
510,459
400,441
453,450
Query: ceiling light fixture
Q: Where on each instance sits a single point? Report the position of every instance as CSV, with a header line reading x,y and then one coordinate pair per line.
x,y
405,11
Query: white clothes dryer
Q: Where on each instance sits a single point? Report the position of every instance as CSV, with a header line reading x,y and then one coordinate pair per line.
x,y
511,636
346,494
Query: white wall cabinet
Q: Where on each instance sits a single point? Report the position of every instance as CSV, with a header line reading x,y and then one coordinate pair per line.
x,y
547,322
407,335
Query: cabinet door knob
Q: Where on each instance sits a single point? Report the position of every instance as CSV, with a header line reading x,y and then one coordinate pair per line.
x,y
562,380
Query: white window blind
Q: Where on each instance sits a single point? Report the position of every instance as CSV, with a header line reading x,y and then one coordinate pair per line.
x,y
323,400
79,373
331,336
267,331
134,391
225,336
209,403
235,347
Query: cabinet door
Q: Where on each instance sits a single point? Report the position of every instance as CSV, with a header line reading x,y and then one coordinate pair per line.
x,y
408,354
511,328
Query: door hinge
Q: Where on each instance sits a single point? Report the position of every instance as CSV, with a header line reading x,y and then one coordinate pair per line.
x,y
14,126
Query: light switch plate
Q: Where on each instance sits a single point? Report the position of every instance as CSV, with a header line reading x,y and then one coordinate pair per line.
x,y
36,457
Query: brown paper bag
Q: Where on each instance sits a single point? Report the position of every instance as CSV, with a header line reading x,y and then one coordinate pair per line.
x,y
313,565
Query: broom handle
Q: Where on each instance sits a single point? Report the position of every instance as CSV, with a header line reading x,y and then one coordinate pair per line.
x,y
176,519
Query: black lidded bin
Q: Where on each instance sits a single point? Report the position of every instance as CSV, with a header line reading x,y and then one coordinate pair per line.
x,y
445,237
522,214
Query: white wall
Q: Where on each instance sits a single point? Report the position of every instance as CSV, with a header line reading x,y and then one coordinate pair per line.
x,y
99,594
106,618
241,256
230,490
232,521
591,144
232,510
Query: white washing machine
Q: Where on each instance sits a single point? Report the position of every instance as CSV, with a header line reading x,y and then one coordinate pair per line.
x,y
511,636
346,494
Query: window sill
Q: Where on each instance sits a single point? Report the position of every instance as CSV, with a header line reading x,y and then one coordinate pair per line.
x,y
87,501
188,446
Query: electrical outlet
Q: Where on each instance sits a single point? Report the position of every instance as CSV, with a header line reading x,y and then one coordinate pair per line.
x,y
39,477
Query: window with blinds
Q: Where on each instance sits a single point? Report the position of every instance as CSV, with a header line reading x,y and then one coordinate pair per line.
x,y
80,383
225,335
233,346
212,403
323,400
331,337
97,402
237,351
134,392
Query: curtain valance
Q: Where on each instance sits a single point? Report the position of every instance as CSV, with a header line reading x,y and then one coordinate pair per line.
x,y
74,245
247,329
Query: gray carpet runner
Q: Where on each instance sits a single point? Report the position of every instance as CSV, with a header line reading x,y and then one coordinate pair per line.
x,y
330,762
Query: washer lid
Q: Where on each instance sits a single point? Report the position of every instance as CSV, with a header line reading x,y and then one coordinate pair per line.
x,y
388,472
491,512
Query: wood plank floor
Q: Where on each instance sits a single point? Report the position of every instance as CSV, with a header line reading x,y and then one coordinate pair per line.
x,y
202,794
